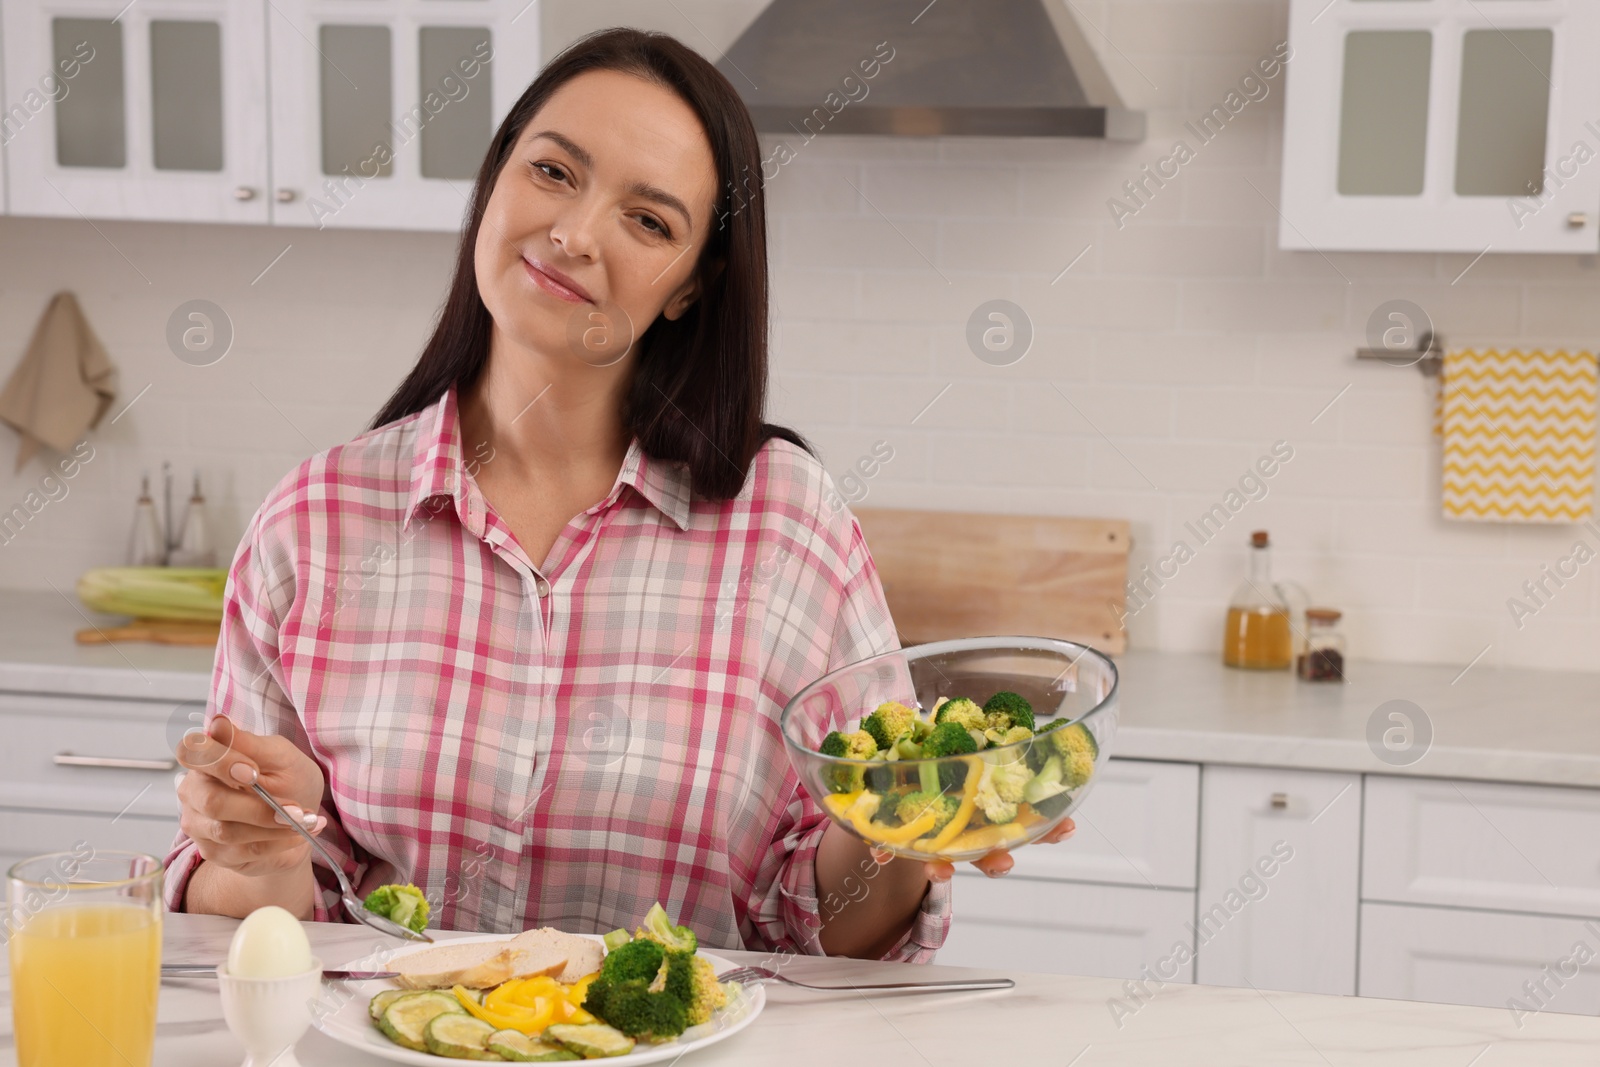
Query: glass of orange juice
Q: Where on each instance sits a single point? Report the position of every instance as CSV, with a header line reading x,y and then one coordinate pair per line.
x,y
84,932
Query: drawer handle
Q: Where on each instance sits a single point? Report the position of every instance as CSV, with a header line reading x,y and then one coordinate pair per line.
x,y
1280,801
121,763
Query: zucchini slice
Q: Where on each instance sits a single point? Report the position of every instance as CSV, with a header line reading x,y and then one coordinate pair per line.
x,y
518,1047
459,1036
381,1001
591,1040
404,1020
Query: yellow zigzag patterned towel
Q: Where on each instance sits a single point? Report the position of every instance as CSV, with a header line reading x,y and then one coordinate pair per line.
x,y
1519,435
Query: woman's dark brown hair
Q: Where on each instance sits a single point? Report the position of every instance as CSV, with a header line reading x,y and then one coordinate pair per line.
x,y
699,381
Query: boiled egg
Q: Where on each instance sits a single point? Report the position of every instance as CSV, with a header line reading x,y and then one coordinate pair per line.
x,y
269,943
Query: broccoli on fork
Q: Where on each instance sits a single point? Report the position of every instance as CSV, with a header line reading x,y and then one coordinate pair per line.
x,y
401,904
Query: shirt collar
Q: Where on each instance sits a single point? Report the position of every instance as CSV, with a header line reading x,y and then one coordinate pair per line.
x,y
438,469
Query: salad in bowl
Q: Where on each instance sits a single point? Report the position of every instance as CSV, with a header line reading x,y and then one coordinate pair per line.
x,y
953,749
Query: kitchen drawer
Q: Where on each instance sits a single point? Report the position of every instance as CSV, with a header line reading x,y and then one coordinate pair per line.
x,y
1137,827
1278,885
38,727
1482,845
1107,931
25,833
1455,956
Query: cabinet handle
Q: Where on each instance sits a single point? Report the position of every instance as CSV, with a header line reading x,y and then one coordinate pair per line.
x,y
286,196
121,763
1577,220
1280,801
244,192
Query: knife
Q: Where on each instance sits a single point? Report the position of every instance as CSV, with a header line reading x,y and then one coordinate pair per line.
x,y
200,970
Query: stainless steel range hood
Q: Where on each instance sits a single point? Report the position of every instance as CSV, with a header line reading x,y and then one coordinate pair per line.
x,y
1008,68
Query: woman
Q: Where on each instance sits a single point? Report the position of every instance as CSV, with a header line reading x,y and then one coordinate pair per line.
x,y
525,642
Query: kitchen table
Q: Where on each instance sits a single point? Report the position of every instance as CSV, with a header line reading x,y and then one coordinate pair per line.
x,y
1045,1020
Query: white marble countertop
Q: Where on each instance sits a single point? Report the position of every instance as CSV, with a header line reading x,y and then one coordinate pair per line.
x,y
39,654
1496,724
1045,1020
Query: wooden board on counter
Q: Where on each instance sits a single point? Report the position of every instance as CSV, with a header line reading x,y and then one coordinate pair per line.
x,y
155,631
960,574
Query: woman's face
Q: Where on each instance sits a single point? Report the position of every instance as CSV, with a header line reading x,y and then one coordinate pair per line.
x,y
597,219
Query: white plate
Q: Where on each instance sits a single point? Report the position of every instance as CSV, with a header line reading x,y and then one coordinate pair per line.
x,y
351,1025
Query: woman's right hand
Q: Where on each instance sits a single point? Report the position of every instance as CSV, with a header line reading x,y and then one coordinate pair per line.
x,y
232,826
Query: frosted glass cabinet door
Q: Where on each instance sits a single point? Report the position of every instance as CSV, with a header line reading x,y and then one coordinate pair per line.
x,y
155,110
1442,125
381,112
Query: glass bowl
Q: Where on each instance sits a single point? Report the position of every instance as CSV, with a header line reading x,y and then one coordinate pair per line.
x,y
959,807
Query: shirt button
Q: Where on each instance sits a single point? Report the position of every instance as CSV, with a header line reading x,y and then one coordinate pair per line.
x,y
543,587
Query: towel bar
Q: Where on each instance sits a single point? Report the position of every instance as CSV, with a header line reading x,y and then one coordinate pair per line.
x,y
1428,356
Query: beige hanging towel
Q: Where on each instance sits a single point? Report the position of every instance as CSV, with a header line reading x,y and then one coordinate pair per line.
x,y
64,384
1519,435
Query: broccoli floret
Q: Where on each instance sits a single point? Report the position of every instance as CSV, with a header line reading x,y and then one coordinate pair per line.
x,y
888,810
640,958
1009,778
1006,737
857,745
947,739
1001,788
658,927
913,806
706,994
889,723
963,711
402,904
631,1007
1078,749
1007,709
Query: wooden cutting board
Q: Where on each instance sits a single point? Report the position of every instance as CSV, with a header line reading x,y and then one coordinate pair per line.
x,y
960,574
156,631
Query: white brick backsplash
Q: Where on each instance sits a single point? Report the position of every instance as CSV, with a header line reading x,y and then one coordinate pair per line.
x,y
1267,307
1184,251
1184,336
1175,358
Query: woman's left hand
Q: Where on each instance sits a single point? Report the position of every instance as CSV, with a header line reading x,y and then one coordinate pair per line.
x,y
999,861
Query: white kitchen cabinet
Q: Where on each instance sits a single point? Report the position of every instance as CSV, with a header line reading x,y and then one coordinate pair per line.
x,y
1277,903
1110,931
1524,963
29,832
1482,845
87,769
1139,826
154,110
1442,125
381,114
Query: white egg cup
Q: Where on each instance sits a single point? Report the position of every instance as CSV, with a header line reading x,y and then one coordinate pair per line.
x,y
269,1015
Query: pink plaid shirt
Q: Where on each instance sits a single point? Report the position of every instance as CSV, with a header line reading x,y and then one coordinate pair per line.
x,y
564,744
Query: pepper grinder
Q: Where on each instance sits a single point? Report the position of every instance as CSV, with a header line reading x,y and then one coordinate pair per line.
x,y
194,546
147,545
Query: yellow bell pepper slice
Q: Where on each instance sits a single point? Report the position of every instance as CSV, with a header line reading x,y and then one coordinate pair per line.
x,y
503,995
897,835
839,803
969,800
510,1017
986,838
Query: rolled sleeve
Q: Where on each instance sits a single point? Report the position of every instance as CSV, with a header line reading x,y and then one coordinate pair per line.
x,y
247,685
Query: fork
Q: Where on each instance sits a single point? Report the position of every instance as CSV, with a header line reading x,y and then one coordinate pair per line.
x,y
762,974
347,895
